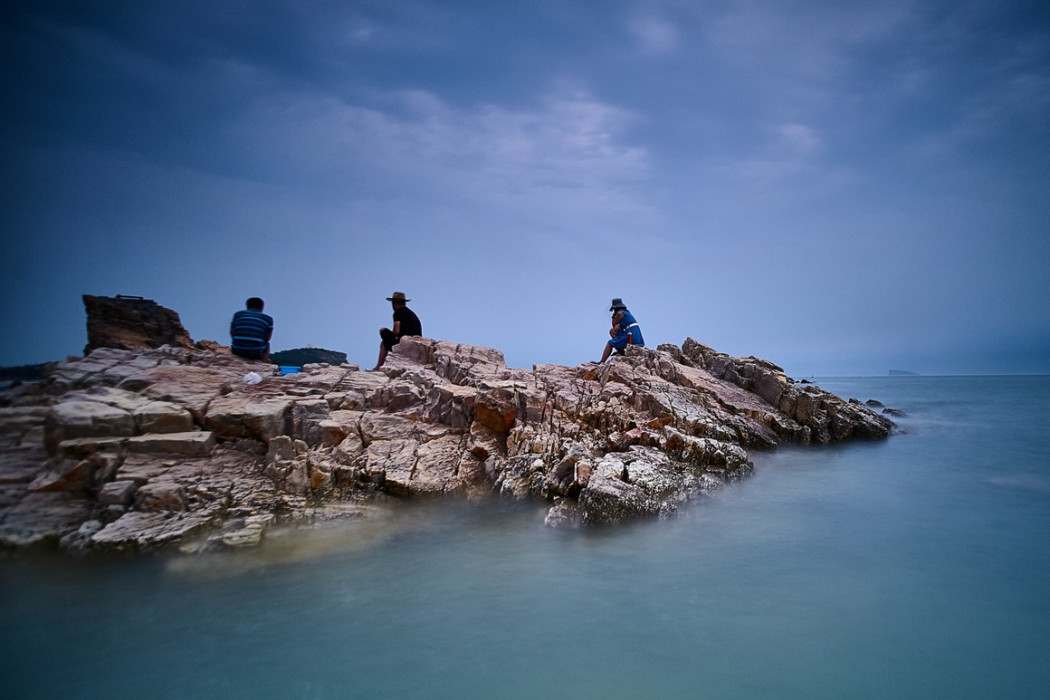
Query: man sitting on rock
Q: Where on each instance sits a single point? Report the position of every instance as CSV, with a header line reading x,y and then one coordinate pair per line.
x,y
250,331
625,331
405,323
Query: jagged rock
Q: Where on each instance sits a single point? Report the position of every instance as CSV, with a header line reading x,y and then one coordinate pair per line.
x,y
81,539
42,518
142,530
191,387
72,475
247,415
612,498
79,419
130,323
196,443
307,416
136,449
148,415
117,493
248,532
163,496
162,417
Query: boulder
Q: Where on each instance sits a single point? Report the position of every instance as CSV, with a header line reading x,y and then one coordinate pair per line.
x,y
41,519
162,417
191,387
163,496
611,498
137,530
119,493
245,415
79,419
131,323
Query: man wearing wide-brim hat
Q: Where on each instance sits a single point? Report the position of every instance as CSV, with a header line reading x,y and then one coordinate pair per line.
x,y
625,330
405,323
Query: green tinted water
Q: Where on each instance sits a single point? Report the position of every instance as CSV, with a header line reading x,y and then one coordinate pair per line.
x,y
913,567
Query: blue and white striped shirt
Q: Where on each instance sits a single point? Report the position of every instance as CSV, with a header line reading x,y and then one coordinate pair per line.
x,y
251,330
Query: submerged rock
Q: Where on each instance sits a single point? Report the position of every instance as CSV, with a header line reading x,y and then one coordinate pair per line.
x,y
135,449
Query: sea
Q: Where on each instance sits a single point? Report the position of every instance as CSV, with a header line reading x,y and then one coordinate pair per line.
x,y
914,567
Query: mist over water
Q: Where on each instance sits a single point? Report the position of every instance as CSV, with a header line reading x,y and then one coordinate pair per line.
x,y
912,567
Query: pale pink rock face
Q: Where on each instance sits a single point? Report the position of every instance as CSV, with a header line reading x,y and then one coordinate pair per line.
x,y
170,446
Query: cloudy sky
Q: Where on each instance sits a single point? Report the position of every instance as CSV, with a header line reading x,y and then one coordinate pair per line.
x,y
839,187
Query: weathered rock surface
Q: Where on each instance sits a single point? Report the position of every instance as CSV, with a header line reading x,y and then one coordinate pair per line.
x,y
128,323
126,449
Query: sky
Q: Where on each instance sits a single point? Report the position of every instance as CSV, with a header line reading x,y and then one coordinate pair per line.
x,y
843,188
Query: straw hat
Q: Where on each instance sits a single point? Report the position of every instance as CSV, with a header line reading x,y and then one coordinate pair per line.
x,y
400,296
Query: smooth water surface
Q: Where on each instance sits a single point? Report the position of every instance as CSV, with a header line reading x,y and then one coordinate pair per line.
x,y
914,567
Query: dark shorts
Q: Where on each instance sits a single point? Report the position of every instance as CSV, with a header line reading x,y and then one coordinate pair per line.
x,y
389,339
249,354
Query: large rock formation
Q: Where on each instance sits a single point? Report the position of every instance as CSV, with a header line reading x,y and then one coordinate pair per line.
x,y
135,449
130,323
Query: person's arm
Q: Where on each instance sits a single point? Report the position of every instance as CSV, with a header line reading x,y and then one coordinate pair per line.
x,y
397,328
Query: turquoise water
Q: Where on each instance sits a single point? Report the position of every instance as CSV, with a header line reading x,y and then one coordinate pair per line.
x,y
915,567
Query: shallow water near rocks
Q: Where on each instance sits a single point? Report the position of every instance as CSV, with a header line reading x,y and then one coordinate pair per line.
x,y
912,567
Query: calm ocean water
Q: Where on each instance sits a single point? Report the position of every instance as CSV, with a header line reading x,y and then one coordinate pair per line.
x,y
917,567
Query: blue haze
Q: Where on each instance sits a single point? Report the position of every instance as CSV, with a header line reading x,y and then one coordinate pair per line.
x,y
842,188
914,567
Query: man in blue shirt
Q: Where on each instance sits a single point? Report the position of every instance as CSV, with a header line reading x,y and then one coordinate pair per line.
x,y
625,331
250,331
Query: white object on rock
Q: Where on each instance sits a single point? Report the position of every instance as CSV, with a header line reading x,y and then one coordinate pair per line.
x,y
252,378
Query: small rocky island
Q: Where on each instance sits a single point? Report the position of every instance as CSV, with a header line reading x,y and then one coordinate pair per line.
x,y
152,440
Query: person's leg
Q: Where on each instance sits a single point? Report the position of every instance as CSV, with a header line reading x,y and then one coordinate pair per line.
x,y
605,353
382,355
387,342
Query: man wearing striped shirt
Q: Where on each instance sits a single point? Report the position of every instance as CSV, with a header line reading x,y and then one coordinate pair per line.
x,y
250,331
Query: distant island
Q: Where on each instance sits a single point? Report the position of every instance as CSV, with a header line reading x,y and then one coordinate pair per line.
x,y
902,373
28,373
307,356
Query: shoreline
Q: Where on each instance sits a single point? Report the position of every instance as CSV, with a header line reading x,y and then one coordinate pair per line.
x,y
169,448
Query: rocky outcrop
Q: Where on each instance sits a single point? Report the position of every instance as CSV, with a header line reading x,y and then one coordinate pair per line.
x,y
129,323
127,449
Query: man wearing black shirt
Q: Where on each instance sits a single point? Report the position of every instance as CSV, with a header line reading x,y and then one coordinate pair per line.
x,y
405,323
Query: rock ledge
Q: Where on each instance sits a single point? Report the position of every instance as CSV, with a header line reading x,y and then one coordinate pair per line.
x,y
137,449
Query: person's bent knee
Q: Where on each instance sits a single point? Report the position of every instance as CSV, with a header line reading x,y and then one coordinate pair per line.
x,y
389,339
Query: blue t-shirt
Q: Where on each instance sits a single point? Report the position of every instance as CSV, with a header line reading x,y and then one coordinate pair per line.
x,y
627,326
250,330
